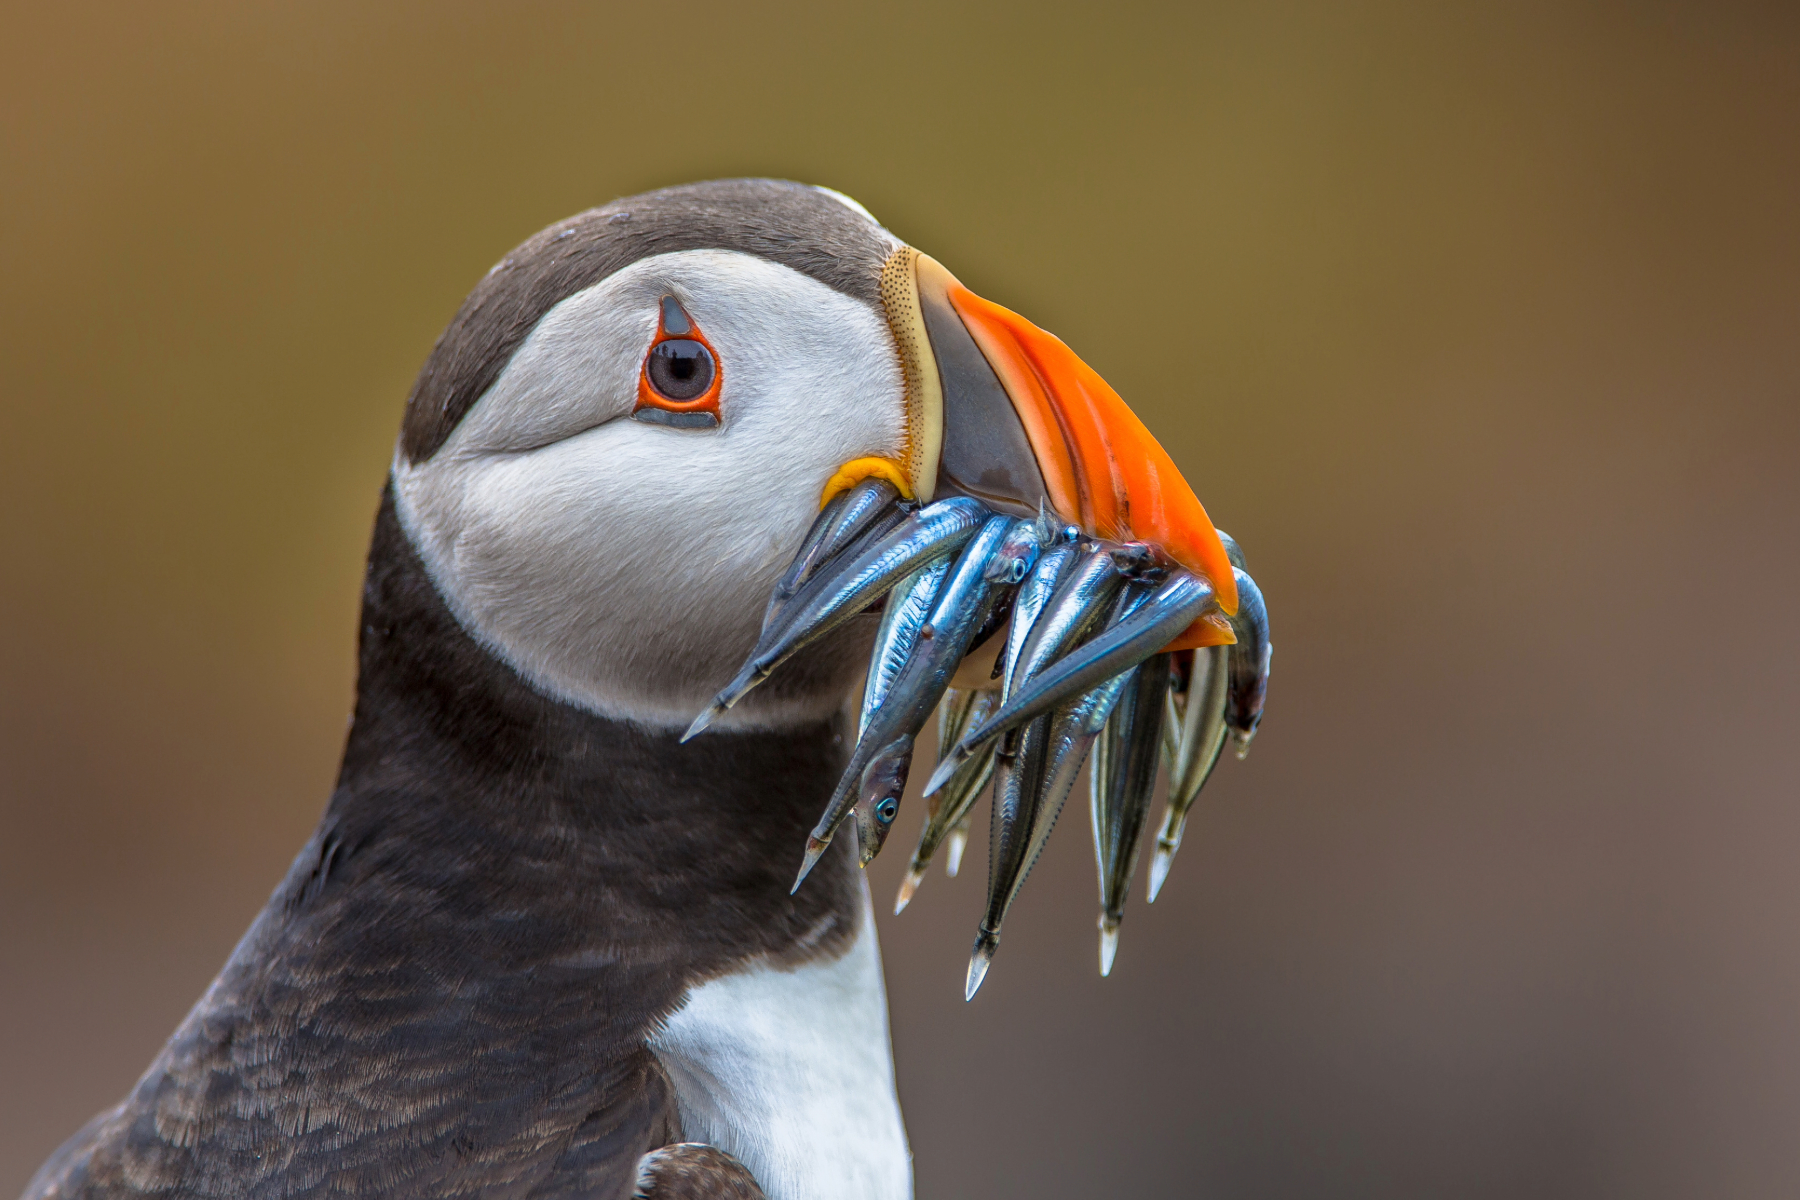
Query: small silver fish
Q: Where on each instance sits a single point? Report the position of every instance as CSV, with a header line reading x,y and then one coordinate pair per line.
x,y
840,591
1171,609
873,504
878,795
1197,728
947,823
1180,674
1249,661
1073,728
1070,733
806,560
1124,778
963,603
1084,593
1082,600
1038,769
1017,554
948,811
961,706
1018,768
1028,605
908,606
1233,552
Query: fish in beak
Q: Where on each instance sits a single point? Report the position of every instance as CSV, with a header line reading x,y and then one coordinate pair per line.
x,y
1028,498
1024,424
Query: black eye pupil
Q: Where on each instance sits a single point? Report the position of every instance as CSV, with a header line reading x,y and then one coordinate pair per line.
x,y
886,809
680,369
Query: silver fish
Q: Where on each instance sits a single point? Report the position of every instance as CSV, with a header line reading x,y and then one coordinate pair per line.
x,y
1233,552
947,823
1018,768
948,810
1171,609
1010,564
1071,733
1082,600
847,516
884,779
908,606
1198,728
878,796
1052,758
1038,768
1083,595
806,560
1175,704
1028,605
835,595
958,709
1124,777
1028,802
1249,661
1017,554
964,601
957,840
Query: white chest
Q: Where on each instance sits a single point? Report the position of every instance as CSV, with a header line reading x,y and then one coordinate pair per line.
x,y
792,1072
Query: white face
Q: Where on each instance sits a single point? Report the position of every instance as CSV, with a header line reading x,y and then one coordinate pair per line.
x,y
621,566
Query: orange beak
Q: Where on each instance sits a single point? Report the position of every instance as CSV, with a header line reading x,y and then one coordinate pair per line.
x,y
1018,391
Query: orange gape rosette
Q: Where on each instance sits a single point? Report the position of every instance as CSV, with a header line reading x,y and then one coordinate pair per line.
x,y
1104,471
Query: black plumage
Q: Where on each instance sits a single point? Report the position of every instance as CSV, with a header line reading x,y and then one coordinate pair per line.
x,y
450,992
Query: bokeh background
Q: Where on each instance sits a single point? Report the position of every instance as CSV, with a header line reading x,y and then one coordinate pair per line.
x,y
1478,325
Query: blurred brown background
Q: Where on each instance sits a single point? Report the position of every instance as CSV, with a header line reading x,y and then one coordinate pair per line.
x,y
1480,327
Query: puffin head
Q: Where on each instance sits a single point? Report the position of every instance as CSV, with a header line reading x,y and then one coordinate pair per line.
x,y
619,442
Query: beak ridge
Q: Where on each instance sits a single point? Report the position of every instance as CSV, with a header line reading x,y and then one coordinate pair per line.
x,y
1010,415
1102,468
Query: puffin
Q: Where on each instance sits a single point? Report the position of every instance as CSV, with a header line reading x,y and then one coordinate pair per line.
x,y
703,504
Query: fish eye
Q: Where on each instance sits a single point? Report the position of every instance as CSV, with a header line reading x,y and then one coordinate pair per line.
x,y
680,369
884,812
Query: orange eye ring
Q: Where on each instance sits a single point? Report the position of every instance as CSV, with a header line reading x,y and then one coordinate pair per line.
x,y
688,354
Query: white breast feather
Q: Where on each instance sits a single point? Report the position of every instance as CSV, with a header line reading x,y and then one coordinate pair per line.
x,y
792,1072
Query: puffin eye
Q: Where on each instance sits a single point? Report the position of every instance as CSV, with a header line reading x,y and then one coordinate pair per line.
x,y
680,369
678,386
